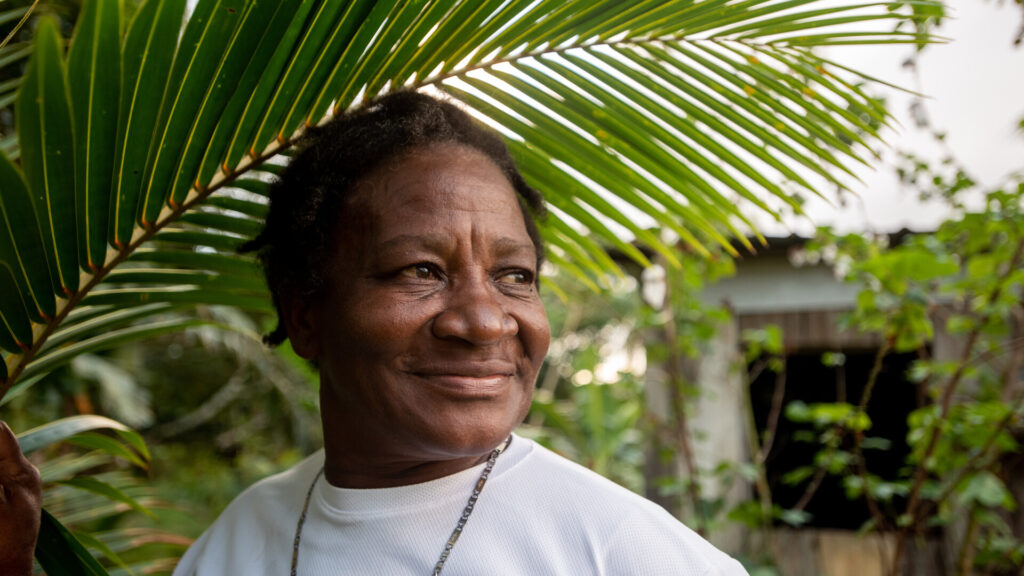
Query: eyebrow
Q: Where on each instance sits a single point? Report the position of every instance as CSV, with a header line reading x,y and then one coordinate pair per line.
x,y
509,246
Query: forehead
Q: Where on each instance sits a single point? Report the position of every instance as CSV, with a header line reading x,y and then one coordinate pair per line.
x,y
430,187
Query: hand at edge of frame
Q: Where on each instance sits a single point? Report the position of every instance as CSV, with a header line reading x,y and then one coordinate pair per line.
x,y
20,498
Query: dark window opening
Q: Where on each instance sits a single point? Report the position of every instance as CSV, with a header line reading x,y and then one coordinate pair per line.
x,y
810,381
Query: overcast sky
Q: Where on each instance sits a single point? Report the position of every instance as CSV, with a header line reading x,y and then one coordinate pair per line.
x,y
975,86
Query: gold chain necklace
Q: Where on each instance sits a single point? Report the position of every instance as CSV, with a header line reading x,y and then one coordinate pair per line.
x,y
449,545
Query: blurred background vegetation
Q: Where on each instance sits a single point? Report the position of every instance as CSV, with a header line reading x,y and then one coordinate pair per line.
x,y
214,410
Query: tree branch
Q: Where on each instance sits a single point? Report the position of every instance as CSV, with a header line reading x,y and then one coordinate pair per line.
x,y
673,367
858,434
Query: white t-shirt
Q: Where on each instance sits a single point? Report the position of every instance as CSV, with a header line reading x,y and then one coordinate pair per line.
x,y
539,514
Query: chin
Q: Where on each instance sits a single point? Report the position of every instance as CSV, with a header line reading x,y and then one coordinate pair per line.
x,y
479,436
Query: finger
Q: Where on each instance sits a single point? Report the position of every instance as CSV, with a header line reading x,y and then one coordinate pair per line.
x,y
11,460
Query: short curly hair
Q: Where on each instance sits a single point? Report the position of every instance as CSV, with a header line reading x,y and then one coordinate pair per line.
x,y
307,200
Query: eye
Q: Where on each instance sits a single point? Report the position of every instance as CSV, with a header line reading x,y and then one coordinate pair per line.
x,y
516,277
419,272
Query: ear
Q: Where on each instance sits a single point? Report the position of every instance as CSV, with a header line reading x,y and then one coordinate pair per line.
x,y
300,319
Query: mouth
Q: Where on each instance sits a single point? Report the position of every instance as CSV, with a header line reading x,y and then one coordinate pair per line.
x,y
476,380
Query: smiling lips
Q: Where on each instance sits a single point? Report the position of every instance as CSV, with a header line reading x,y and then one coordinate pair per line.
x,y
467,378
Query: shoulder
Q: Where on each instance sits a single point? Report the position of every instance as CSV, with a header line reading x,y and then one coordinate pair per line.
x,y
627,533
549,475
283,491
253,517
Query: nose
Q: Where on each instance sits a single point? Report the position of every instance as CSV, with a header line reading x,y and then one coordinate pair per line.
x,y
474,313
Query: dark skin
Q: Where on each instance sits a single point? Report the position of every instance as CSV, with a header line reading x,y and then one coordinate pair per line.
x,y
431,332
20,496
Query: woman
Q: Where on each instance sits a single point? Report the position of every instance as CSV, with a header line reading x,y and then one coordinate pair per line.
x,y
402,255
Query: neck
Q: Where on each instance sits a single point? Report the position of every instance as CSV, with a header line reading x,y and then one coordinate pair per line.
x,y
367,456
343,469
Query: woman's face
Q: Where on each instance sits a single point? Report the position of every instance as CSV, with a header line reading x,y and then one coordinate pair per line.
x,y
431,332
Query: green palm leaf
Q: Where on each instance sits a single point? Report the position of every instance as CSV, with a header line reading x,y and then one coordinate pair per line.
x,y
60,430
47,156
94,74
149,50
82,490
689,113
59,552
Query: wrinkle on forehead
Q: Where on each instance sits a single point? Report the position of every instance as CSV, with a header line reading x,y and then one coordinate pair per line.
x,y
391,201
380,181
421,203
442,242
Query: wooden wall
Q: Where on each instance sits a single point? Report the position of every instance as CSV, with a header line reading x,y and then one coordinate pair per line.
x,y
814,552
811,329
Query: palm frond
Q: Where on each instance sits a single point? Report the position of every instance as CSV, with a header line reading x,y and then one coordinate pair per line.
x,y
631,115
85,491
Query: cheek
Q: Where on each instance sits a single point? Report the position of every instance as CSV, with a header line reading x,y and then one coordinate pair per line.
x,y
536,335
381,327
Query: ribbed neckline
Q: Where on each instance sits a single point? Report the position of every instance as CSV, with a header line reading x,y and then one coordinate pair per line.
x,y
377,501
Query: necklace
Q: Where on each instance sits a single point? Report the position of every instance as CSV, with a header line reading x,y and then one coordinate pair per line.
x,y
459,526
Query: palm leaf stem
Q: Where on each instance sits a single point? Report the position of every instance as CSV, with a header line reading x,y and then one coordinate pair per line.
x,y
638,42
19,24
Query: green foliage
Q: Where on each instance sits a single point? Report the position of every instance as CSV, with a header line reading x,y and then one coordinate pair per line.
x,y
589,401
89,491
590,404
752,515
597,426
828,415
191,121
765,344
142,148
65,428
58,552
987,490
964,280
